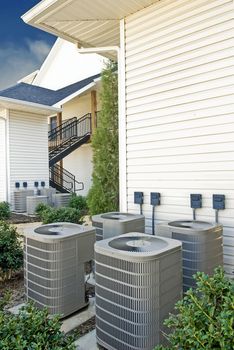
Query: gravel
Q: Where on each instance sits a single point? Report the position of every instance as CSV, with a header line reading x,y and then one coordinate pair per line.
x,y
17,218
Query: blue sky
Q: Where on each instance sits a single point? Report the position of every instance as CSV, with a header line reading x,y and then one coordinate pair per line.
x,y
22,47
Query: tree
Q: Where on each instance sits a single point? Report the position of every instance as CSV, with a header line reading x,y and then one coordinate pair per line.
x,y
104,193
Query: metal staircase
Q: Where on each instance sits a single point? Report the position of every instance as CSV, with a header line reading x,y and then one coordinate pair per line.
x,y
67,137
63,180
63,140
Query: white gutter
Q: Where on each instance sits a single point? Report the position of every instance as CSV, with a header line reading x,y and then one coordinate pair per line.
x,y
12,103
97,49
8,169
7,165
122,122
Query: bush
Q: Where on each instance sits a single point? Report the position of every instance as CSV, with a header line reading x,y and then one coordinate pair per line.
x,y
32,329
11,252
40,208
4,211
63,214
205,316
79,202
104,193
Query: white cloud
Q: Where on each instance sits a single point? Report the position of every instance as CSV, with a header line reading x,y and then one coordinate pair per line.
x,y
17,62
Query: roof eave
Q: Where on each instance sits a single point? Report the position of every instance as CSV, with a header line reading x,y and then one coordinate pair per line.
x,y
80,92
11,103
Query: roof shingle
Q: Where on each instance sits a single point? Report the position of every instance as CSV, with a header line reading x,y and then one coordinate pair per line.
x,y
43,96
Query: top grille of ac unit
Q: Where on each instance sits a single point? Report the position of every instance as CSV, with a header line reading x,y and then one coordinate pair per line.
x,y
61,199
20,200
116,223
202,246
54,258
138,280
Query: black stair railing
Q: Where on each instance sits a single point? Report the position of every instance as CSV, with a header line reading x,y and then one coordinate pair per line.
x,y
54,132
63,180
68,136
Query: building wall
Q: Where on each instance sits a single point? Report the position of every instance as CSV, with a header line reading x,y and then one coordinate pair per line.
x,y
28,149
3,183
79,162
77,107
65,65
180,130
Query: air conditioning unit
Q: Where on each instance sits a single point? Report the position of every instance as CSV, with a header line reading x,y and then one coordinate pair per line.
x,y
20,200
54,259
61,199
115,223
201,245
49,193
33,201
138,281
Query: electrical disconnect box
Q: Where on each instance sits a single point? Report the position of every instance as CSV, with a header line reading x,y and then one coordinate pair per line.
x,y
195,200
155,198
219,201
138,197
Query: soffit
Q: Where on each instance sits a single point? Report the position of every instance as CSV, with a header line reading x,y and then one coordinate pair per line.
x,y
90,23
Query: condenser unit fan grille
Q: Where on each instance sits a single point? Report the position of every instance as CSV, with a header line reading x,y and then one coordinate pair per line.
x,y
134,294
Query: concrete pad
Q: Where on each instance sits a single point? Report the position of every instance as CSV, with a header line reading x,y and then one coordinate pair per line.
x,y
80,317
24,227
90,279
87,342
15,309
71,322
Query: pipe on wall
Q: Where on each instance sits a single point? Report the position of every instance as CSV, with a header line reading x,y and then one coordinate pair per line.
x,y
6,120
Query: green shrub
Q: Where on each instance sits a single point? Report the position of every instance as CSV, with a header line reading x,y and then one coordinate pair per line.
x,y
79,202
63,214
4,211
32,329
5,298
104,193
11,252
205,316
40,208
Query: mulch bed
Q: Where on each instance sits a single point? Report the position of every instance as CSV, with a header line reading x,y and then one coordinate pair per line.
x,y
16,286
17,218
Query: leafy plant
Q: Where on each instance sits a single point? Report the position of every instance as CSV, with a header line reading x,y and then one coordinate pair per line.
x,y
79,202
40,208
32,329
64,214
4,210
205,318
11,252
104,193
5,298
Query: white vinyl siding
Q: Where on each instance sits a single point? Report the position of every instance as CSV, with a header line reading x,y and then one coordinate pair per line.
x,y
28,140
179,110
2,160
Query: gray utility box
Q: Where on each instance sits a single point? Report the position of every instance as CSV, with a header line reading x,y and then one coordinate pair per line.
x,y
33,201
54,259
49,193
20,205
61,199
202,246
138,281
115,223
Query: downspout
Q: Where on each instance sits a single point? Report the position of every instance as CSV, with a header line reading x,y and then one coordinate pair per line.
x,y
122,111
7,165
